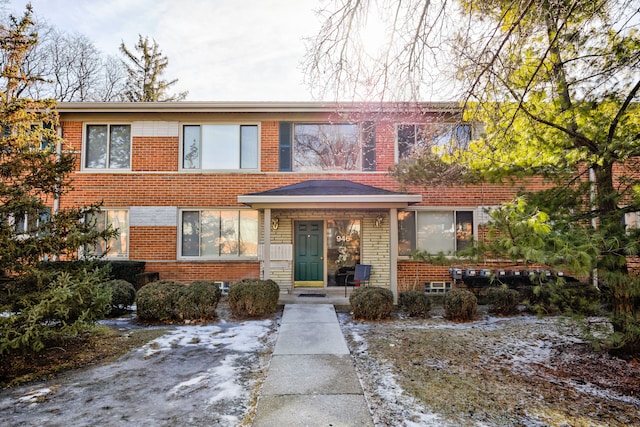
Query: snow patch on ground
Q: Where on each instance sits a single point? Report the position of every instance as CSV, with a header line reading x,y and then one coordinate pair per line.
x,y
387,390
544,351
244,337
35,396
192,375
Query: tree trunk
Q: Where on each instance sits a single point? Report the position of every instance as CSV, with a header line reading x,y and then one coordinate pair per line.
x,y
613,261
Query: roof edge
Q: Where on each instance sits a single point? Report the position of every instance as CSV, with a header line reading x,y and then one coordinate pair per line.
x,y
393,198
253,107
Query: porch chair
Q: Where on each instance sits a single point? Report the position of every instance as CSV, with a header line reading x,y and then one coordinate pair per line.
x,y
361,277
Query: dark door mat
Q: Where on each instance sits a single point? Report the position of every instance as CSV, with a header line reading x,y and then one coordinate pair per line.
x,y
312,295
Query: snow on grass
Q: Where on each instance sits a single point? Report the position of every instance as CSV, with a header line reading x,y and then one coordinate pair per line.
x,y
221,382
594,390
35,396
226,383
238,342
192,375
244,337
413,413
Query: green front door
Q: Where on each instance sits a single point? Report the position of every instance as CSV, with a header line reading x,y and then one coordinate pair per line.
x,y
309,261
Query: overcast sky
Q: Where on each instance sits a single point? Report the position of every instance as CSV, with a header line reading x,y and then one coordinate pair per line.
x,y
220,50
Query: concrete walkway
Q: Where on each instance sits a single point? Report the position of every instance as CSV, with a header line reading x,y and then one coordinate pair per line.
x,y
311,379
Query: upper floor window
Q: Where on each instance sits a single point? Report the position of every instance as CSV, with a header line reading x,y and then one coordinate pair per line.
x,y
417,137
116,247
434,231
327,147
219,233
108,147
220,147
45,127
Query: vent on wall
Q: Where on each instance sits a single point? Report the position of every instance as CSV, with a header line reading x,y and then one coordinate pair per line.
x,y
224,287
436,287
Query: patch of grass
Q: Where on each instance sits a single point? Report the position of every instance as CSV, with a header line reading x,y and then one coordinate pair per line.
x,y
102,344
437,367
474,376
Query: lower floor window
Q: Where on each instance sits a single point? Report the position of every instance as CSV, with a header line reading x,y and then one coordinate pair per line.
x,y
434,231
219,233
632,220
116,247
31,224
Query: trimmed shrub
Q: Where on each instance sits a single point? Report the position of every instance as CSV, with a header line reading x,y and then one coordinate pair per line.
x,y
415,303
157,301
371,303
199,301
123,295
460,305
502,300
253,298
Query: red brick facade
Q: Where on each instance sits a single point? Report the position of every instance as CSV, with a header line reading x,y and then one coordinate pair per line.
x,y
156,180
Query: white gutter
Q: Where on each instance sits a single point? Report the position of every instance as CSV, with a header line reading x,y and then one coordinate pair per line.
x,y
256,107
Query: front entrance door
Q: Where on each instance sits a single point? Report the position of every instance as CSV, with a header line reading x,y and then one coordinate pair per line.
x,y
309,261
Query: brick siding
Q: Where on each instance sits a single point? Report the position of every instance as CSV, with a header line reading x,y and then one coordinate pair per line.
x,y
155,179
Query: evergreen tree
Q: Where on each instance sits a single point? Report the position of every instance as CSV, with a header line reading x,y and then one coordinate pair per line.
x,y
145,67
34,173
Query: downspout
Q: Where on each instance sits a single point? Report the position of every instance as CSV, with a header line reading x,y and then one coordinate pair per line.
x,y
56,199
393,252
594,222
266,246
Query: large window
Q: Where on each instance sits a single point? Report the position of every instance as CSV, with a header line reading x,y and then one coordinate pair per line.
x,y
219,233
108,147
414,138
434,231
220,147
116,247
327,147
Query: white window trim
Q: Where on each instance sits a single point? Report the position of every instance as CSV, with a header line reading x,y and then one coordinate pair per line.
x,y
107,256
83,158
22,234
226,258
631,221
473,209
182,169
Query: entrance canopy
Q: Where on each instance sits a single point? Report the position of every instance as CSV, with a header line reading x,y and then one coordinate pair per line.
x,y
329,194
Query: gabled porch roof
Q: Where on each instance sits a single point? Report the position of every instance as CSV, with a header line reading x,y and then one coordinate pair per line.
x,y
329,194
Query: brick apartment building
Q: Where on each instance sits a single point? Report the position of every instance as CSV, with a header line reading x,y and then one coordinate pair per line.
x,y
295,192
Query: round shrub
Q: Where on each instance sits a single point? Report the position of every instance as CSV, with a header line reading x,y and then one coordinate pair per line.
x,y
415,303
198,301
502,300
253,298
460,305
371,303
123,294
157,301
